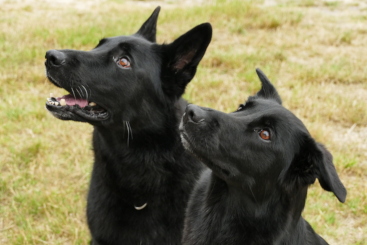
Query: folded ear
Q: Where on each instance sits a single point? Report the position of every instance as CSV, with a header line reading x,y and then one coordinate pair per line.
x,y
149,29
267,90
327,175
181,58
315,161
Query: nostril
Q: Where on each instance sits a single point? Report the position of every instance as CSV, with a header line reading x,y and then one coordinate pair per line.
x,y
194,114
53,60
191,115
55,57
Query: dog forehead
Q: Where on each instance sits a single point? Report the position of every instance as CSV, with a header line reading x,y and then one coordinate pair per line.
x,y
113,42
270,113
261,107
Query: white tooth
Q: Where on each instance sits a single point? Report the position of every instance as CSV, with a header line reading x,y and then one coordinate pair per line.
x,y
51,95
92,104
62,102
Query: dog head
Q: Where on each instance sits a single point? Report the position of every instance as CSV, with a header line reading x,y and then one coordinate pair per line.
x,y
261,148
123,77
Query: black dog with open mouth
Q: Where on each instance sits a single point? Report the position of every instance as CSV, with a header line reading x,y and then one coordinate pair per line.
x,y
262,160
129,88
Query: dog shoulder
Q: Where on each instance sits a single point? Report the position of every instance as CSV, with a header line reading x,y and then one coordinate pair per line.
x,y
195,209
305,234
199,192
197,198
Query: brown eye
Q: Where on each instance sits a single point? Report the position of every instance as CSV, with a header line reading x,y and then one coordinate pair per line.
x,y
264,134
124,63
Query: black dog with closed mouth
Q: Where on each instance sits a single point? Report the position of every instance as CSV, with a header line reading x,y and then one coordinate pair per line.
x,y
129,88
262,160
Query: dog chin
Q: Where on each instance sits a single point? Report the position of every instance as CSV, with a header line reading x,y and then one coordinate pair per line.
x,y
220,171
185,143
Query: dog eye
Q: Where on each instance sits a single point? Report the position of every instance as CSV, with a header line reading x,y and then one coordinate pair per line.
x,y
264,134
123,62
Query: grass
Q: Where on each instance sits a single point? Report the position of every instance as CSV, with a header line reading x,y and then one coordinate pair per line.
x,y
313,51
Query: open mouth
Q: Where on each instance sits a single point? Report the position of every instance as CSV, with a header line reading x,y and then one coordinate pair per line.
x,y
67,105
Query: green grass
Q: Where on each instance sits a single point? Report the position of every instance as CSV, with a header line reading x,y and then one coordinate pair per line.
x,y
313,51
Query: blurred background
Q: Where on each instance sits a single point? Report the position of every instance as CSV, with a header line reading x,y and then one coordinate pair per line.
x,y
313,51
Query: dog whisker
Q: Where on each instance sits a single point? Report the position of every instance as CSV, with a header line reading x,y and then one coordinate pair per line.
x,y
73,92
78,92
252,193
85,92
81,91
129,132
90,92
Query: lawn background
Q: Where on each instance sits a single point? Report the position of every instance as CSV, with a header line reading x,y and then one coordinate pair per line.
x,y
315,52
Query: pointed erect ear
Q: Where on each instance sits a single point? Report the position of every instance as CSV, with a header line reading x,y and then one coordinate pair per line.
x,y
267,90
149,29
327,175
181,58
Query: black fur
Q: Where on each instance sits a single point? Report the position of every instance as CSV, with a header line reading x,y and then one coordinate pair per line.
x,y
139,162
255,189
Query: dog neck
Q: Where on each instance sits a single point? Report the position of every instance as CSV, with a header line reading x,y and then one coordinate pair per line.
x,y
260,214
146,156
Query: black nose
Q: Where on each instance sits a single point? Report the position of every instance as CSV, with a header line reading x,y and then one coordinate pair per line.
x,y
55,58
194,114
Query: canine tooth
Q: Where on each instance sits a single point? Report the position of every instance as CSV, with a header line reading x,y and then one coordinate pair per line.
x,y
92,104
51,95
62,102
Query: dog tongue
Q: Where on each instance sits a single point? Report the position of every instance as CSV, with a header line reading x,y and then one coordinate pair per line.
x,y
70,100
